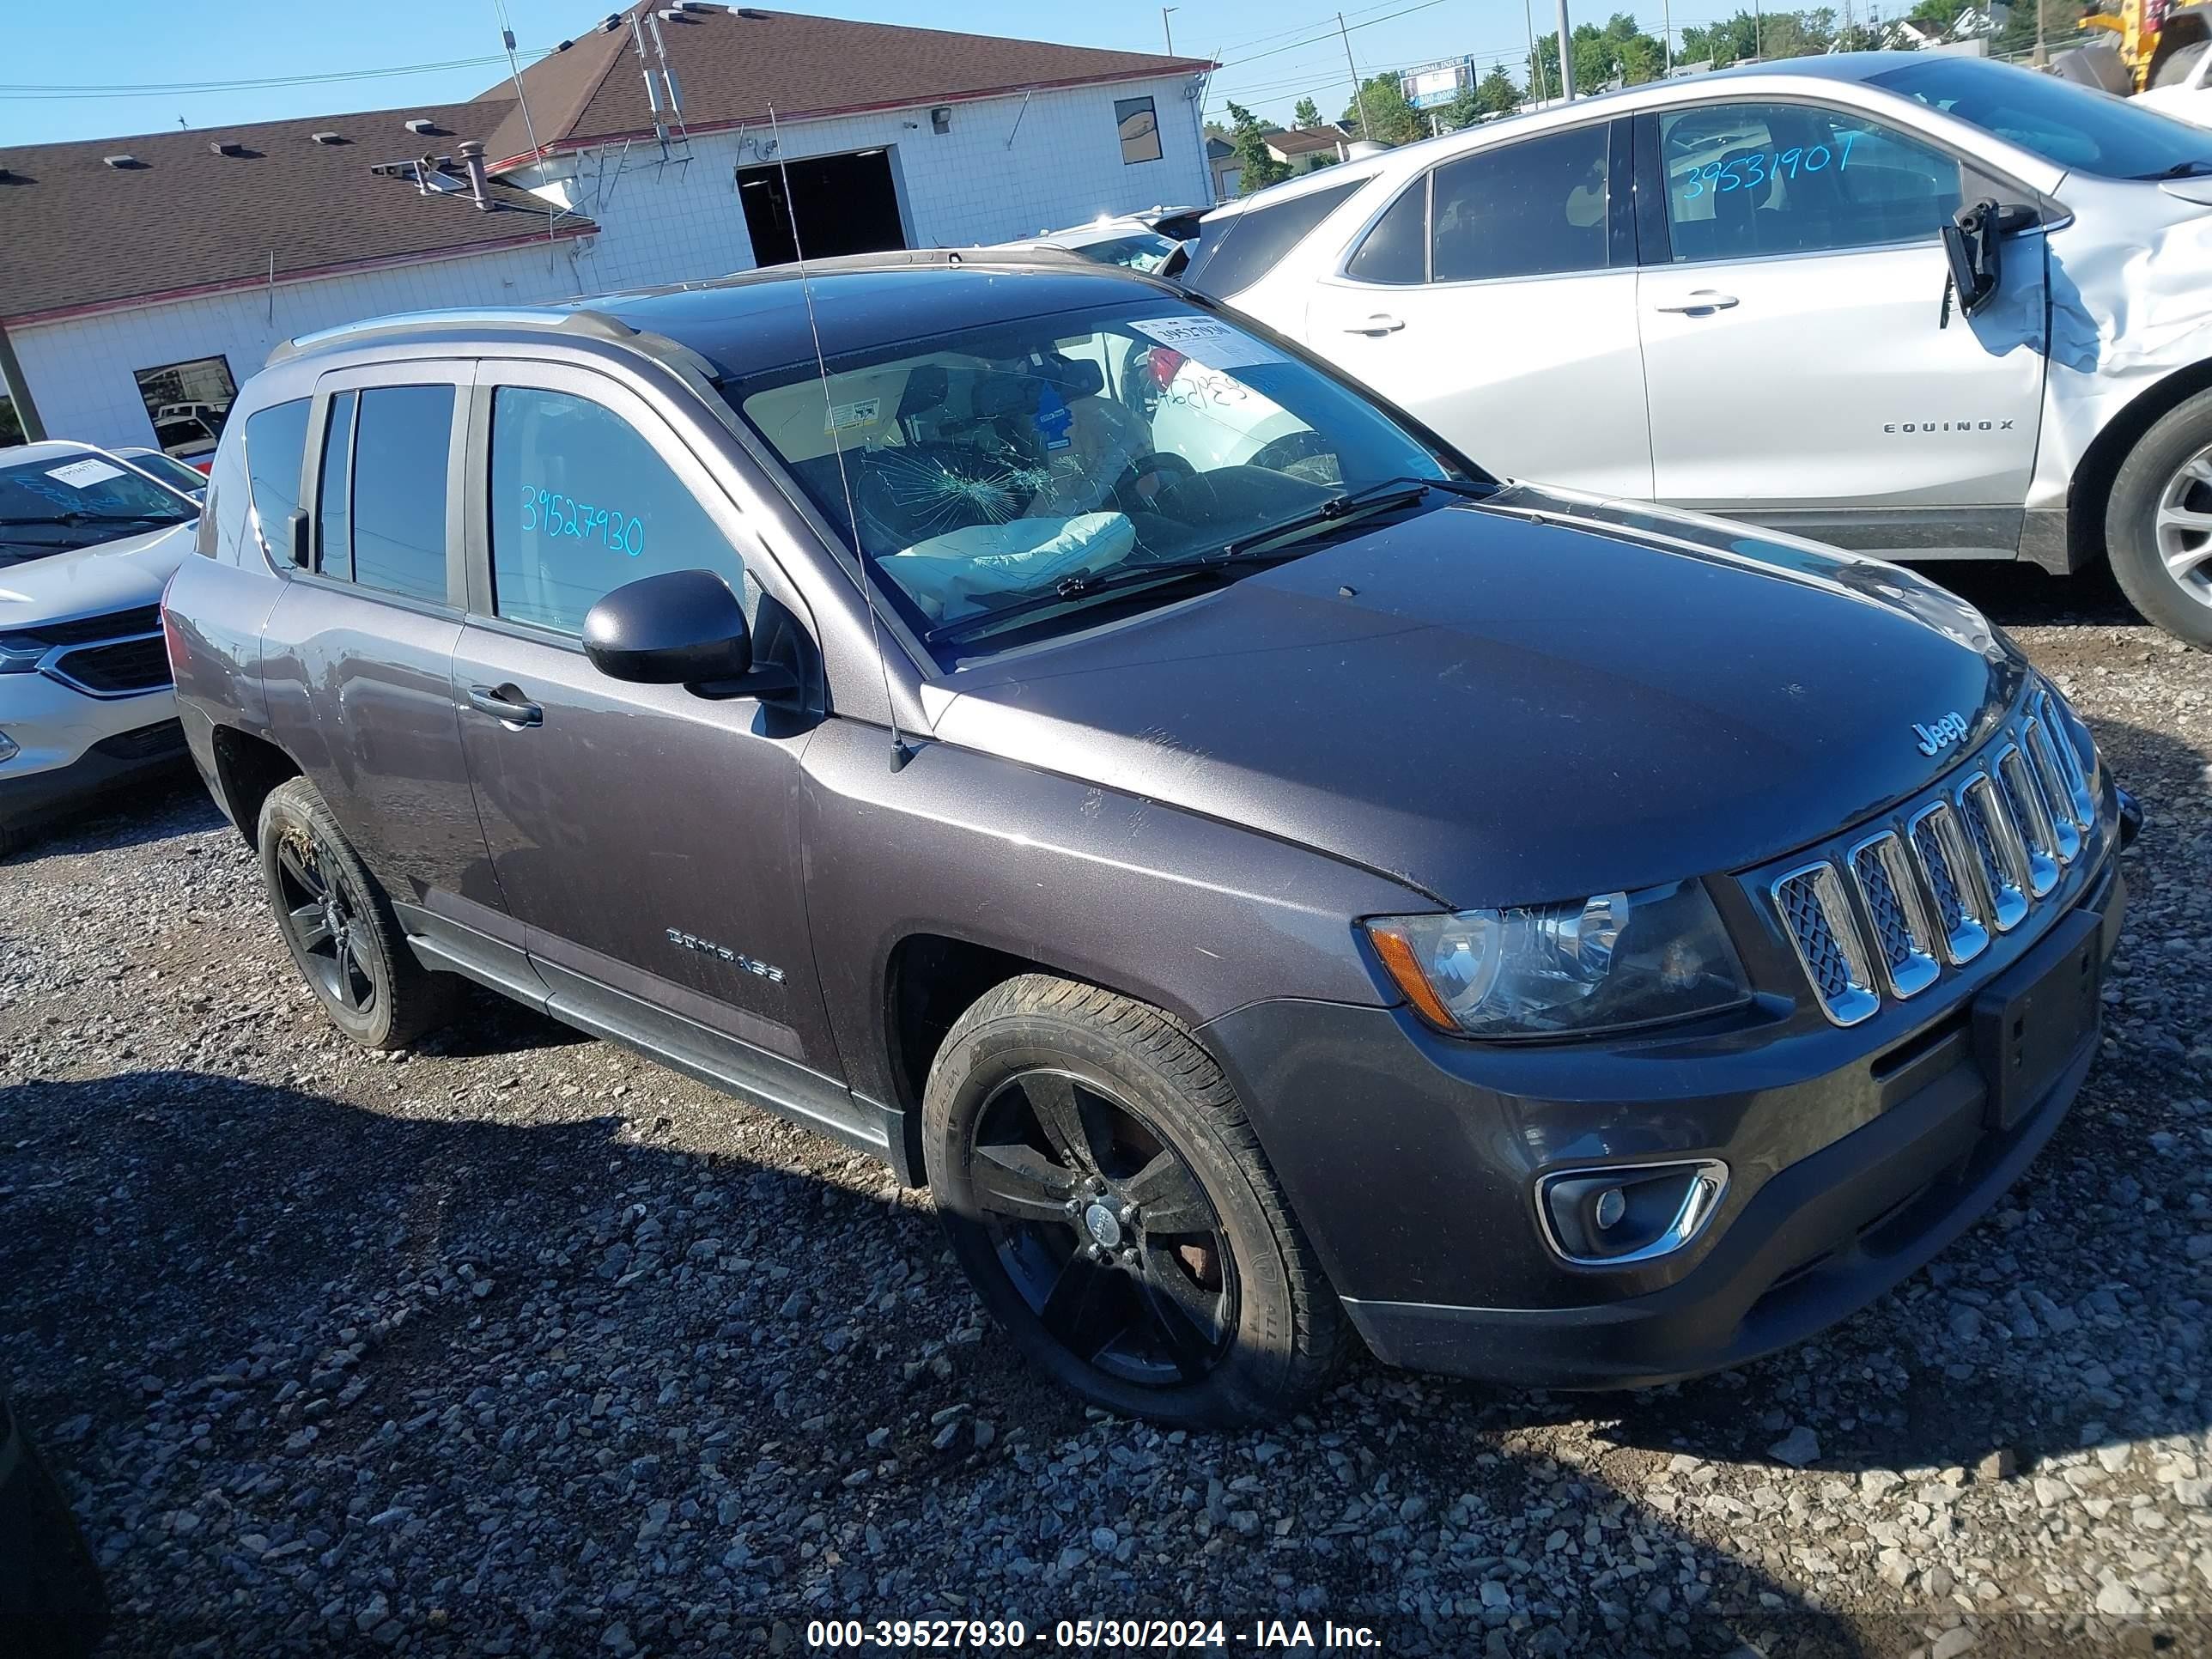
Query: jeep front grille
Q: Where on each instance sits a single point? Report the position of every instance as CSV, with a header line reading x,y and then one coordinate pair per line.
x,y
1887,915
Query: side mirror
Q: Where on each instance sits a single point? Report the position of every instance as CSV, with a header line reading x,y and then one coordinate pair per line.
x,y
1971,243
681,627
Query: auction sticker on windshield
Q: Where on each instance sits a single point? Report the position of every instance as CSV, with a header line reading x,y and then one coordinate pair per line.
x,y
83,475
1209,343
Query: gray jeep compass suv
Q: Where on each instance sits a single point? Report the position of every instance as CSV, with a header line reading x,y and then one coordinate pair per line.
x,y
1270,880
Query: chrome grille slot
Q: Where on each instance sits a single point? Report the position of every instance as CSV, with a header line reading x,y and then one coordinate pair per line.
x,y
1826,938
1954,874
2031,820
1904,931
1997,847
2050,778
2078,792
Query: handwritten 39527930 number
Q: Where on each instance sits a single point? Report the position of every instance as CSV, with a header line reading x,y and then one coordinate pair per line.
x,y
550,513
1760,166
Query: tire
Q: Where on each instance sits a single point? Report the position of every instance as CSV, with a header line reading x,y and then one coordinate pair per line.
x,y
2174,456
1215,1310
388,999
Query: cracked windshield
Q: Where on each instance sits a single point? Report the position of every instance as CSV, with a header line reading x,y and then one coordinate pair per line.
x,y
1023,470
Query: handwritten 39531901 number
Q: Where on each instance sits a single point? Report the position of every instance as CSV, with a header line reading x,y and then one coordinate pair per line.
x,y
1761,164
550,513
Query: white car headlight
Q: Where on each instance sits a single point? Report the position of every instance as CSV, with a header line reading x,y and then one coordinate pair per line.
x,y
9,748
1619,959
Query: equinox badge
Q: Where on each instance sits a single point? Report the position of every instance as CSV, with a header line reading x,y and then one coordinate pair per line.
x,y
1935,739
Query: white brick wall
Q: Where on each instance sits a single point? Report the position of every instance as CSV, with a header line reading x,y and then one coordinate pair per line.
x,y
679,223
658,224
81,371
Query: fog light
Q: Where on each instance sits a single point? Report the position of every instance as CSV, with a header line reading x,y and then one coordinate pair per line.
x,y
8,747
1639,1212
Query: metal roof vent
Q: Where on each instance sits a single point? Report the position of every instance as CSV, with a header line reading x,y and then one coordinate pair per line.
x,y
122,163
324,138
421,124
226,146
610,22
695,6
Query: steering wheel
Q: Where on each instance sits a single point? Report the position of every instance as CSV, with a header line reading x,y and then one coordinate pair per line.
x,y
1282,454
1170,470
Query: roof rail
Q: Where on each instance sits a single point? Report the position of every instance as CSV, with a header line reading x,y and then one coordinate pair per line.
x,y
596,324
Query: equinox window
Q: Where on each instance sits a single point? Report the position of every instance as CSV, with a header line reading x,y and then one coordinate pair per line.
x,y
1746,180
1534,209
580,505
403,435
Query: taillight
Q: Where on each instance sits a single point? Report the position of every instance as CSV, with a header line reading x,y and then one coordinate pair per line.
x,y
206,468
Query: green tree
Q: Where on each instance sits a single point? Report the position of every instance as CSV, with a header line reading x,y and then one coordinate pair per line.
x,y
1256,168
11,429
1308,113
1390,119
1497,94
1619,51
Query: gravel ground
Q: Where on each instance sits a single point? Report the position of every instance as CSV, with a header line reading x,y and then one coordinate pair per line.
x,y
518,1345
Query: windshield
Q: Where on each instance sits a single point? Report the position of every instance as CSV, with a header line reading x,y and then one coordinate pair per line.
x,y
65,502
2069,126
1139,250
1059,454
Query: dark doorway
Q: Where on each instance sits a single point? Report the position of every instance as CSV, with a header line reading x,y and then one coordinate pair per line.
x,y
841,204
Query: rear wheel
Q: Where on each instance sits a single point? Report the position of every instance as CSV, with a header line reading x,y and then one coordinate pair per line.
x,y
2158,524
1102,1190
339,927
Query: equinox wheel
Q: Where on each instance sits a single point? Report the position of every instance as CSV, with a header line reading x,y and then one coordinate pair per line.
x,y
2158,524
336,922
1102,1190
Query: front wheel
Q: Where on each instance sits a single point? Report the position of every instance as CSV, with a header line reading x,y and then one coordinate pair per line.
x,y
2158,524
1101,1186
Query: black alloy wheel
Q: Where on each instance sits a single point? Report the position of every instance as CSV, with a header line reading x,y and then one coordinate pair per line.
x,y
320,920
1103,1229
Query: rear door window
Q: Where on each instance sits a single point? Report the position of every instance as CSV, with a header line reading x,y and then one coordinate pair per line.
x,y
276,454
581,503
1534,209
1236,250
402,440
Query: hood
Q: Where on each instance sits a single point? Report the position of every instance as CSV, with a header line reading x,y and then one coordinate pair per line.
x,y
118,575
1529,698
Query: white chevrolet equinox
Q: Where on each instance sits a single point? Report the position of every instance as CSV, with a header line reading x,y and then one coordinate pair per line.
x,y
87,704
1921,306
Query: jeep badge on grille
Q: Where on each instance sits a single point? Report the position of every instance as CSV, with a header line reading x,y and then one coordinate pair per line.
x,y
1935,739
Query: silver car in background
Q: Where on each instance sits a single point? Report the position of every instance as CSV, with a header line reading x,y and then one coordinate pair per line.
x,y
1911,304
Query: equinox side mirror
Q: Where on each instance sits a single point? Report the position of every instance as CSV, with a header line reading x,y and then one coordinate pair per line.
x,y
1971,243
681,627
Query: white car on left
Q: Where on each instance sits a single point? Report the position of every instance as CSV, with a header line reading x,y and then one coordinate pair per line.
x,y
86,545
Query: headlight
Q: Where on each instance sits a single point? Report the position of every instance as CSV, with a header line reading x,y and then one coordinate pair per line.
x,y
19,654
8,747
1617,959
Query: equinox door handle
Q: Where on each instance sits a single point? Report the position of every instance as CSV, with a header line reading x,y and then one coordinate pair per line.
x,y
1704,299
1381,323
506,703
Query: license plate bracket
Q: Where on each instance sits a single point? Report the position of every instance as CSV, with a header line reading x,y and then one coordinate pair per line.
x,y
2031,1021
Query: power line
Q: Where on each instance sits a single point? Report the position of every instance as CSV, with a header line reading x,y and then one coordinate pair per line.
x,y
1276,51
1277,34
185,89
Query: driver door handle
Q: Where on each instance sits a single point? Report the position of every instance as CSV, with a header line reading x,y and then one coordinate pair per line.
x,y
1703,299
1381,323
506,703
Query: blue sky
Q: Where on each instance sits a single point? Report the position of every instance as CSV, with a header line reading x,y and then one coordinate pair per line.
x,y
1273,51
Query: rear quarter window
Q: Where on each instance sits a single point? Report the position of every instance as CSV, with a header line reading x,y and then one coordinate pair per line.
x,y
276,451
1236,250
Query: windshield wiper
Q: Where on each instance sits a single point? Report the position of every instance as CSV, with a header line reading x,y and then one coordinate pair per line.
x,y
1168,572
74,519
2179,170
1383,492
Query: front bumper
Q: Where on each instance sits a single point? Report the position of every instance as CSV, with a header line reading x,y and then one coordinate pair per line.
x,y
109,763
1855,1155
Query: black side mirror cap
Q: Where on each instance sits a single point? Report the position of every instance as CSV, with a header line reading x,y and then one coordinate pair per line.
x,y
1971,244
681,627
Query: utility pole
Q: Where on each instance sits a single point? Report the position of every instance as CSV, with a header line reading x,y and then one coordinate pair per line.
x,y
1538,82
1566,55
2042,57
1167,28
1758,30
1359,92
1667,34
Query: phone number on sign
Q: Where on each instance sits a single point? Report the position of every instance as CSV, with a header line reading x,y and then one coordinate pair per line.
x,y
997,1634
